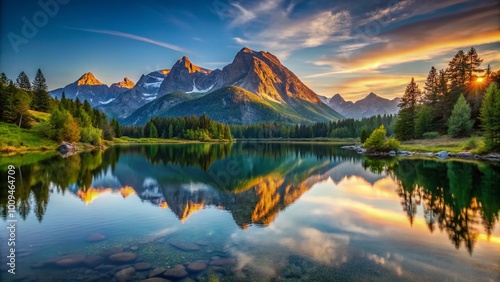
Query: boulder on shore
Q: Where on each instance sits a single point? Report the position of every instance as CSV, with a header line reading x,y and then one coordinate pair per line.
x,y
442,155
67,149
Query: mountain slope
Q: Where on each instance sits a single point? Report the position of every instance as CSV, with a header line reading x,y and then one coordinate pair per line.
x,y
143,92
232,105
371,105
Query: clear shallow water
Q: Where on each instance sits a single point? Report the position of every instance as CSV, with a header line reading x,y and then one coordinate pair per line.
x,y
265,212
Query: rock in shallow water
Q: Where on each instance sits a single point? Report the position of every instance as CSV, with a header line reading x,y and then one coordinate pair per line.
x,y
125,274
123,257
142,266
196,266
175,273
185,246
70,260
157,272
111,251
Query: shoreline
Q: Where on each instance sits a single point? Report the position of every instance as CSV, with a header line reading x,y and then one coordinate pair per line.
x,y
442,155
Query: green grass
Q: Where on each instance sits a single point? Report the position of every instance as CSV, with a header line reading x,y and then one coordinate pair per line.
x,y
443,143
40,116
15,139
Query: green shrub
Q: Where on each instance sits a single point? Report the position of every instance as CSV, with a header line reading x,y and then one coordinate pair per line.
x,y
430,135
391,144
90,135
471,143
377,142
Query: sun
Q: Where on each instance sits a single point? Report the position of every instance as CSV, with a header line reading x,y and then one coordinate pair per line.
x,y
480,80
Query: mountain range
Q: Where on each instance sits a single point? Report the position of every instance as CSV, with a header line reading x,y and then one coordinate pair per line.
x,y
255,87
371,105
89,88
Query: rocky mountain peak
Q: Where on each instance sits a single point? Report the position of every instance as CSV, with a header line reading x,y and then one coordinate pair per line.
x,y
185,64
125,83
88,79
372,96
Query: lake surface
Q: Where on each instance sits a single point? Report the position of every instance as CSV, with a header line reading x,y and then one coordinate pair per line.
x,y
251,212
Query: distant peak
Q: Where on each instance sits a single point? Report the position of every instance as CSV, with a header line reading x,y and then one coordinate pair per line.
x,y
88,79
337,98
246,50
185,63
125,83
372,95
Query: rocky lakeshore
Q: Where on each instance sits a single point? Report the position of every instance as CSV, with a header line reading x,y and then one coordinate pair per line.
x,y
441,155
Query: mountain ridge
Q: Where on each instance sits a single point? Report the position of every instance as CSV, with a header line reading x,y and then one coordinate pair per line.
x,y
370,105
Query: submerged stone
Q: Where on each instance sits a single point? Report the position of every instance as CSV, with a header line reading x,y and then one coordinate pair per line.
x,y
111,251
125,274
196,266
70,260
142,266
175,273
185,246
157,272
122,257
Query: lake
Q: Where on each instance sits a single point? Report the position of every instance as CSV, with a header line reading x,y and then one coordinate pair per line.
x,y
251,212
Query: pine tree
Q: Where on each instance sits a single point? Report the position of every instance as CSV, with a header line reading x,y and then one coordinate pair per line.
x,y
431,88
4,81
364,135
423,122
458,71
460,123
41,97
39,83
473,63
170,131
23,81
405,125
490,118
153,132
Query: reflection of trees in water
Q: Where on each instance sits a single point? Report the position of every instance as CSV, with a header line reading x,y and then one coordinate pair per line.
x,y
36,180
456,196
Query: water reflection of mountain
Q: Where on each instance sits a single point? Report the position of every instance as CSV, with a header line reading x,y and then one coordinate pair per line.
x,y
253,188
254,182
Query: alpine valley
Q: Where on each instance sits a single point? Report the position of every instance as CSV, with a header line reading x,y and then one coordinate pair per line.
x,y
254,88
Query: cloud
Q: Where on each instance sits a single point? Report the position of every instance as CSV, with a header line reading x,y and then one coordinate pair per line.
x,y
133,37
269,25
421,40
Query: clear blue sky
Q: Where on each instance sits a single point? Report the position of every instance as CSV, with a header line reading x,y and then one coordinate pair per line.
x,y
347,47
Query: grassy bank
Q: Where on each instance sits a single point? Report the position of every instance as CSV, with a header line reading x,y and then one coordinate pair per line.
x,y
443,143
17,140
